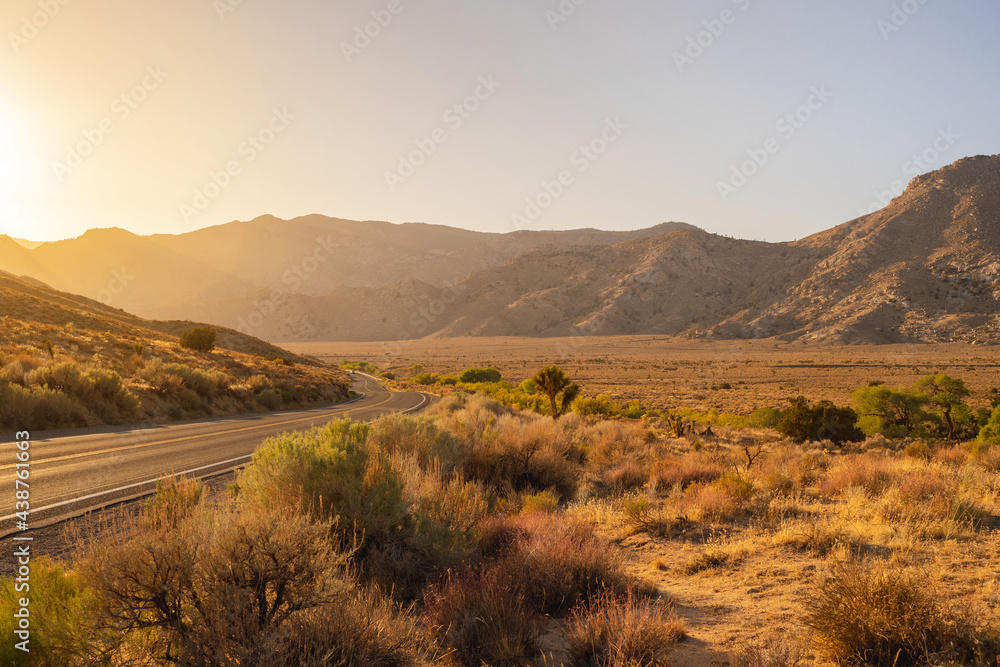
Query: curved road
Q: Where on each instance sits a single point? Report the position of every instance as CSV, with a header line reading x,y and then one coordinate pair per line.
x,y
72,473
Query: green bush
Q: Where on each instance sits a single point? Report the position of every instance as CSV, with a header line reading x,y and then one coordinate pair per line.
x,y
201,339
764,418
61,606
425,378
822,421
332,473
475,375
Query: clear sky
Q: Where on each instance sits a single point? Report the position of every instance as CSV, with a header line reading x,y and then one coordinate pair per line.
x,y
170,116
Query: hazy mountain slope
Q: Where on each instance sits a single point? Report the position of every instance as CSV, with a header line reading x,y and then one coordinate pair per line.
x,y
202,273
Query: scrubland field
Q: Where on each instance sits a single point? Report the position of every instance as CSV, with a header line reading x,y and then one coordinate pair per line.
x,y
480,533
673,373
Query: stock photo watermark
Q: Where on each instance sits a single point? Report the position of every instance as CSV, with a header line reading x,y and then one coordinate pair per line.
x,y
34,23
900,16
293,278
248,151
565,10
454,117
424,317
579,162
714,29
225,7
919,163
365,34
121,109
119,282
786,128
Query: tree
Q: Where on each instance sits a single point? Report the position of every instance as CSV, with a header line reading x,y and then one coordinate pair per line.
x,y
822,421
199,338
551,381
895,413
473,375
946,394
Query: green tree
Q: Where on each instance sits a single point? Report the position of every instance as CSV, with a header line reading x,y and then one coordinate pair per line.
x,y
199,338
822,421
895,413
551,381
990,433
473,375
946,395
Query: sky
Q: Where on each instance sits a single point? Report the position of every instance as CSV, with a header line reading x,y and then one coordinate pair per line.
x,y
750,118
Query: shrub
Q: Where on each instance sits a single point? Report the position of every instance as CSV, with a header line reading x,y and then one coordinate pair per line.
x,y
483,616
201,339
270,399
625,477
822,421
216,582
331,473
425,378
562,563
475,375
874,475
774,650
524,456
419,436
685,473
883,616
764,418
620,631
61,605
543,501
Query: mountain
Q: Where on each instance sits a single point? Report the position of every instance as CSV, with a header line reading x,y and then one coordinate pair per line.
x,y
199,274
924,268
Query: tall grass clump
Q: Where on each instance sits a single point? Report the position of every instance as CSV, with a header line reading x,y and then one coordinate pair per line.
x,y
615,630
872,614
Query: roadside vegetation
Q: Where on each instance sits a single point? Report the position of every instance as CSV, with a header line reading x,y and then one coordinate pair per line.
x,y
482,533
62,377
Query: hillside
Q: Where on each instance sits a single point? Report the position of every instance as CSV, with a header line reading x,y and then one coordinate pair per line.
x,y
69,361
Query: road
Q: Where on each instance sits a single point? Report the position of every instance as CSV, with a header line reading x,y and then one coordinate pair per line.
x,y
75,472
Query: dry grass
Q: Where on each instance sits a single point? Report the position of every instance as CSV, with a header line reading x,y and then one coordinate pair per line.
x,y
623,631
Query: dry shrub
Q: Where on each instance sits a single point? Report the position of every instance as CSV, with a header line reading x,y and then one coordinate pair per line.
x,y
685,473
873,474
955,456
776,650
719,501
419,436
614,630
558,562
624,477
931,491
610,443
483,616
869,614
525,455
818,537
544,501
716,558
257,587
642,517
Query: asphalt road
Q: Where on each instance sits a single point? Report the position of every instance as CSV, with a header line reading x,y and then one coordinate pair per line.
x,y
74,472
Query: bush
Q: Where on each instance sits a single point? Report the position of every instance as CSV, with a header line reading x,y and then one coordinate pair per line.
x,y
484,617
560,563
823,421
620,631
476,375
61,628
866,615
201,339
215,582
625,477
685,473
270,399
764,418
331,473
425,379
